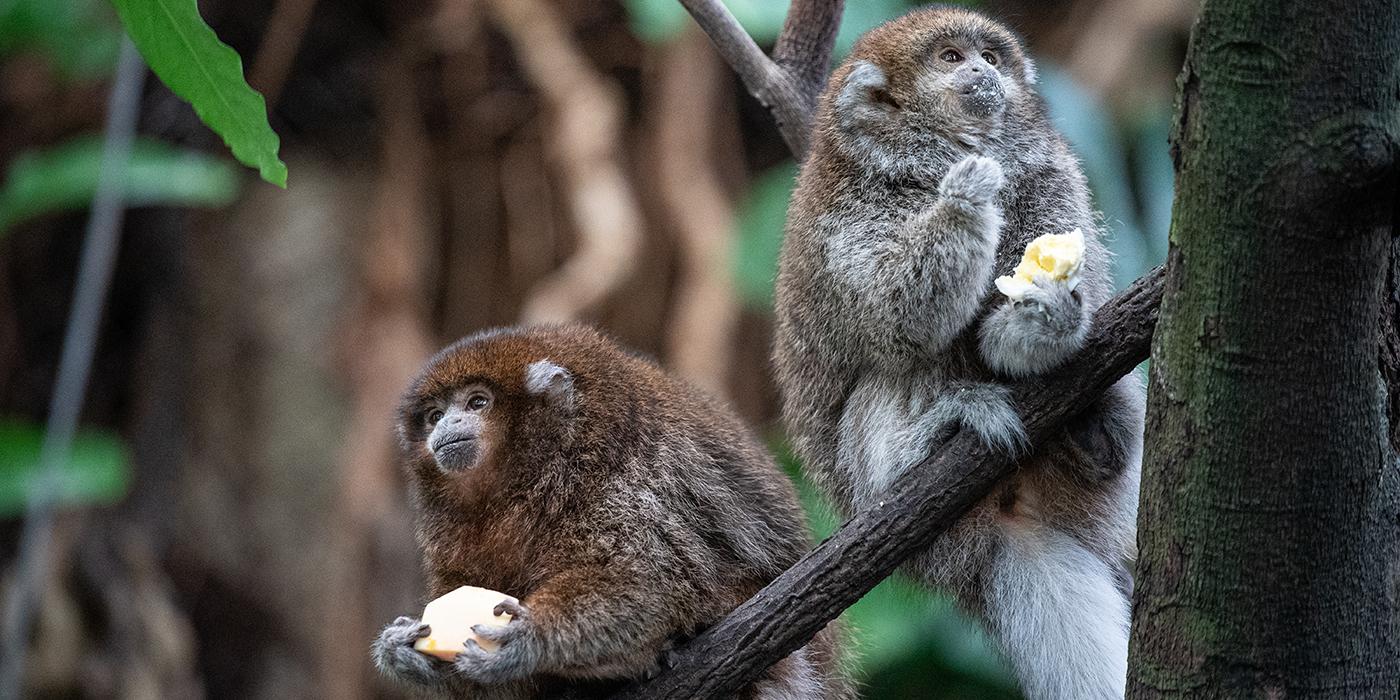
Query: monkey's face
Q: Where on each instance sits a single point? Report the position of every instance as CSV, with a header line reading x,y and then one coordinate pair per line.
x,y
456,429
930,80
963,80
482,402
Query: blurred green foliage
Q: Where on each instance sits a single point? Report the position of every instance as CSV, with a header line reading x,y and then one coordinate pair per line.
x,y
760,234
189,58
64,178
79,38
95,471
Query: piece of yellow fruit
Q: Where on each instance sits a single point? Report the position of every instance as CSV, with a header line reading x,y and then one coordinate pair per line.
x,y
451,617
1055,255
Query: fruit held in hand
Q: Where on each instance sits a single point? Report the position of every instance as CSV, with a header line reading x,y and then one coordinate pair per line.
x,y
1055,256
451,617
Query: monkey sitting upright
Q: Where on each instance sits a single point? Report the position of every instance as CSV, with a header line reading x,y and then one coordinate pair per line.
x,y
622,508
933,165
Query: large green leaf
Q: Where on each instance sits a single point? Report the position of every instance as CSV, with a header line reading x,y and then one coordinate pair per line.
x,y
187,56
63,178
96,470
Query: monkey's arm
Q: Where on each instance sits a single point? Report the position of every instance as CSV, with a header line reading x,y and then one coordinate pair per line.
x,y
1037,333
592,622
921,281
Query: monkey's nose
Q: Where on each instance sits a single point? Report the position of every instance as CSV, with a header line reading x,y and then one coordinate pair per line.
x,y
976,69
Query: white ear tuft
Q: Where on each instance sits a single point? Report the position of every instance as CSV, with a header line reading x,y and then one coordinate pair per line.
x,y
863,82
545,377
1029,71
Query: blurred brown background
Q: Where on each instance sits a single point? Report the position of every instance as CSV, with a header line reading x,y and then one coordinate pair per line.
x,y
454,165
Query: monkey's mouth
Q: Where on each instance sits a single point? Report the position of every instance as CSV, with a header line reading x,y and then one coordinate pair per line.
x,y
983,96
454,440
456,452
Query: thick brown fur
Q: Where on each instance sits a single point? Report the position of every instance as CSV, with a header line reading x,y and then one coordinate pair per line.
x,y
627,512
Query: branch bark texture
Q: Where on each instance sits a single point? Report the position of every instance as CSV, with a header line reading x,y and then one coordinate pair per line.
x,y
934,495
788,83
1268,527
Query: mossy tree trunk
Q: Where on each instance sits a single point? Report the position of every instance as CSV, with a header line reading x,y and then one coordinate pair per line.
x,y
1269,520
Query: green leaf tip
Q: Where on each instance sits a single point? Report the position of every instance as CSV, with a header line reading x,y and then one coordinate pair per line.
x,y
189,58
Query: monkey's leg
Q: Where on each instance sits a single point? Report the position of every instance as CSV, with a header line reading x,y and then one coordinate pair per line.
x,y
887,426
1106,440
981,407
1037,333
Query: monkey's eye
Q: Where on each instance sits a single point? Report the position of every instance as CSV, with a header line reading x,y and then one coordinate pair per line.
x,y
989,57
434,416
951,56
477,402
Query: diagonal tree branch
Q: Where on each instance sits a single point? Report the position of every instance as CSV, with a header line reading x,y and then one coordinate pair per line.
x,y
803,50
789,85
918,508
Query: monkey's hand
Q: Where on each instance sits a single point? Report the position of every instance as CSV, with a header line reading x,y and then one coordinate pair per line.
x,y
518,655
1036,333
395,656
975,180
981,407
922,281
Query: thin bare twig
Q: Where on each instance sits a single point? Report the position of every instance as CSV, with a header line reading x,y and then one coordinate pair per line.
x,y
789,83
917,509
99,257
588,115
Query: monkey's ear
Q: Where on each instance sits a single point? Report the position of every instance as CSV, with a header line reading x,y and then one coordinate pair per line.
x,y
1028,71
550,380
865,88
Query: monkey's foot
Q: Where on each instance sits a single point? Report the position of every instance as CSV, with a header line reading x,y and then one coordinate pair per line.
x,y
515,658
394,653
974,179
980,407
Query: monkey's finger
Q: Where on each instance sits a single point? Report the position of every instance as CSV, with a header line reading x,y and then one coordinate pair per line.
x,y
512,607
495,633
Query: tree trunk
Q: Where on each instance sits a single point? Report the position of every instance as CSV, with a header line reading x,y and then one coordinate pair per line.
x,y
1268,528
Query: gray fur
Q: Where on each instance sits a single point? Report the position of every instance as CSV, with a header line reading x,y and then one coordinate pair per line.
x,y
916,193
1035,334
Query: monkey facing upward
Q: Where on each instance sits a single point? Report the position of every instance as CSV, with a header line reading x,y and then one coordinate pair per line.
x,y
624,509
933,165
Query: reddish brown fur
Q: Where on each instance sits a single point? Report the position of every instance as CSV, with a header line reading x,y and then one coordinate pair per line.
x,y
642,512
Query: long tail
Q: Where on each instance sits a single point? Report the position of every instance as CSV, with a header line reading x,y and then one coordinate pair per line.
x,y
1060,616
